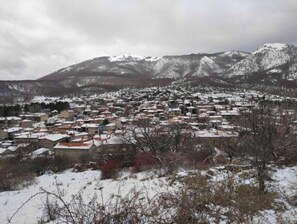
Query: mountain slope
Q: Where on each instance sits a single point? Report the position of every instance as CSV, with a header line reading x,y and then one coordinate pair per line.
x,y
173,67
270,65
277,61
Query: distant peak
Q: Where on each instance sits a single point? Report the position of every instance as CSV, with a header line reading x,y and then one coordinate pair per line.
x,y
275,45
236,52
128,57
272,46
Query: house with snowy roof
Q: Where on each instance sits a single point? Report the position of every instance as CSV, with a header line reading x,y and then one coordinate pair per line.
x,y
26,123
50,140
90,128
74,150
115,147
40,117
67,114
214,136
41,152
28,137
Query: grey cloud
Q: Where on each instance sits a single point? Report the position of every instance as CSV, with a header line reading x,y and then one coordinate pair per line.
x,y
39,37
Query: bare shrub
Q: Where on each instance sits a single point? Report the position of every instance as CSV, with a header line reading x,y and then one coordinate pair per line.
x,y
199,158
51,209
197,199
201,200
40,164
60,163
85,158
144,161
110,169
14,176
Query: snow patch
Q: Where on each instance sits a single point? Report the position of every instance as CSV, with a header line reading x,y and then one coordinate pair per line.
x,y
271,46
236,53
127,57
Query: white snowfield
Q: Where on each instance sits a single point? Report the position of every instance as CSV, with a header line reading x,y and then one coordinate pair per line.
x,y
128,57
70,184
89,184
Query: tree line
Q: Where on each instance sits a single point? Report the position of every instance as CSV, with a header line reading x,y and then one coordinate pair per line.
x,y
16,110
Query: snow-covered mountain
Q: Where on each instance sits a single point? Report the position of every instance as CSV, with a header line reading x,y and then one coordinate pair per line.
x,y
269,59
270,65
173,67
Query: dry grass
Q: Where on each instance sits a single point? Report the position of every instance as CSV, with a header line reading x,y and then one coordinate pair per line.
x,y
14,176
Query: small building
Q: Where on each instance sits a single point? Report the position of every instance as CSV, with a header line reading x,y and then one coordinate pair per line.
x,y
115,148
107,114
40,117
203,108
67,114
91,129
28,137
49,141
110,127
13,131
174,112
74,150
3,134
26,123
229,114
12,121
214,136
41,152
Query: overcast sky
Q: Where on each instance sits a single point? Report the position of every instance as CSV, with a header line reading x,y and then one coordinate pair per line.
x,y
38,37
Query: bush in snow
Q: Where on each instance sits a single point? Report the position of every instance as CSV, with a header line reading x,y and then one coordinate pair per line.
x,y
145,161
110,169
14,176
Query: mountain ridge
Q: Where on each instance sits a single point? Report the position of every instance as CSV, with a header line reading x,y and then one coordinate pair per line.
x,y
169,66
271,65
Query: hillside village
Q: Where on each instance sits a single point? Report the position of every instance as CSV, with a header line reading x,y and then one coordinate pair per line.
x,y
97,140
140,112
101,123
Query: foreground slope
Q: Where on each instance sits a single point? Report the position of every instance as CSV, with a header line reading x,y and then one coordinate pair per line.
x,y
28,205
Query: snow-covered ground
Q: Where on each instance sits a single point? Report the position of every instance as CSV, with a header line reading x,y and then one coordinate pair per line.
x,y
89,184
69,183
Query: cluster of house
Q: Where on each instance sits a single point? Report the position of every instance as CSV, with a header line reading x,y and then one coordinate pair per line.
x,y
100,124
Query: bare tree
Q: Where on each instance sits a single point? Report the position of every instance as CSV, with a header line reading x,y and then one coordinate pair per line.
x,y
266,133
159,140
230,147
